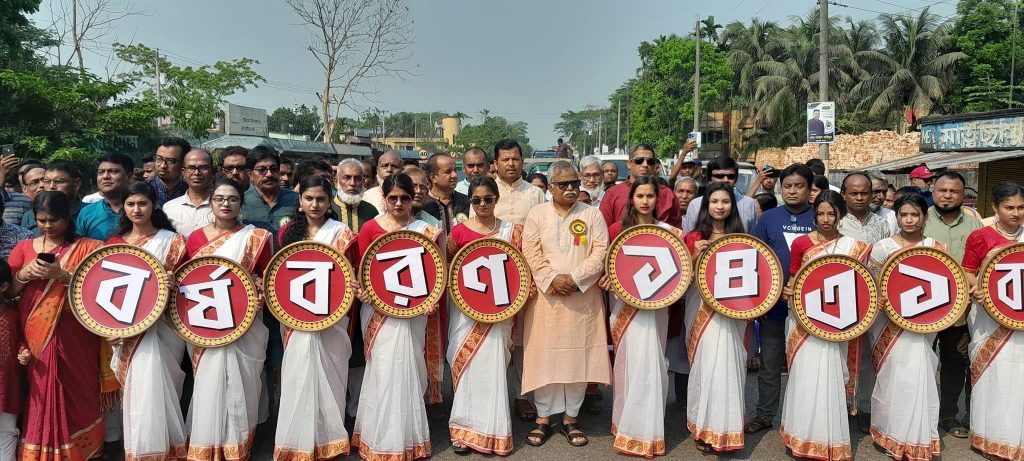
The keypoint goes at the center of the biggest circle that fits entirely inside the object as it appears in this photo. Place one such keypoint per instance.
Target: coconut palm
(709, 29)
(911, 71)
(747, 46)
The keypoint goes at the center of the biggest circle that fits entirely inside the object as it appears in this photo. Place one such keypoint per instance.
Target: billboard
(246, 121)
(821, 122)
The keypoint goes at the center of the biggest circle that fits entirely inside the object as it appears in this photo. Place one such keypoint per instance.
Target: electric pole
(823, 68)
(618, 125)
(1013, 52)
(696, 79)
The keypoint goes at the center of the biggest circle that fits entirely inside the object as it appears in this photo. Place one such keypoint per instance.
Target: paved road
(763, 446)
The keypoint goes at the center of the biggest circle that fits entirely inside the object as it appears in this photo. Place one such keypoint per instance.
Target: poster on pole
(821, 122)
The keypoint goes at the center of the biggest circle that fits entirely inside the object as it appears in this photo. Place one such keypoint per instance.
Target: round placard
(649, 267)
(925, 289)
(306, 286)
(490, 280)
(118, 291)
(215, 301)
(404, 273)
(739, 276)
(1002, 276)
(834, 298)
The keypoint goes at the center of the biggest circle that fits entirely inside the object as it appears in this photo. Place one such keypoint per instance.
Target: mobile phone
(47, 257)
(694, 135)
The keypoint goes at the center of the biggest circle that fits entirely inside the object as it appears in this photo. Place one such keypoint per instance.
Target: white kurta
(152, 382)
(391, 422)
(480, 412)
(314, 379)
(226, 398)
(905, 398)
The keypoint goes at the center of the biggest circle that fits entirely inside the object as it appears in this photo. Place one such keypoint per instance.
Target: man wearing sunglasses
(725, 170)
(642, 162)
(267, 205)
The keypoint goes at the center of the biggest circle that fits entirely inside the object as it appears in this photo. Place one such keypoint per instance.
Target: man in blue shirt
(59, 176)
(170, 155)
(267, 205)
(98, 220)
(778, 228)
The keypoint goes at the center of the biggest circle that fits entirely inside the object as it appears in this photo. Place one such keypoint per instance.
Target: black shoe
(757, 424)
(864, 422)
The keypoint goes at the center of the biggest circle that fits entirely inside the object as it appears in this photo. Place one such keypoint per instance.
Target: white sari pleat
(641, 382)
(714, 403)
(314, 382)
(997, 404)
(150, 407)
(226, 400)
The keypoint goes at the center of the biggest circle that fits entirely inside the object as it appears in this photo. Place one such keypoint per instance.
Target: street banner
(834, 298)
(649, 267)
(490, 280)
(307, 286)
(924, 290)
(739, 276)
(1002, 278)
(118, 291)
(215, 301)
(405, 274)
(821, 122)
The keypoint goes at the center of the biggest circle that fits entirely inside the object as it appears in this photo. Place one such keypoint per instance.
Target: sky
(525, 60)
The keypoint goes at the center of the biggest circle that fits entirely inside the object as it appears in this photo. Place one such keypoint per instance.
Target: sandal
(525, 410)
(702, 446)
(757, 424)
(954, 428)
(460, 449)
(572, 431)
(539, 435)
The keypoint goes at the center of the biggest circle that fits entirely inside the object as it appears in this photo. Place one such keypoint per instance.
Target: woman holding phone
(63, 412)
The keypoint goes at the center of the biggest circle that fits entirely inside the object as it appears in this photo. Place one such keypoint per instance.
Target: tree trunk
(325, 108)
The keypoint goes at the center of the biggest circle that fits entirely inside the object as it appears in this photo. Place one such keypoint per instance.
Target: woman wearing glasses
(639, 336)
(392, 418)
(149, 365)
(821, 382)
(314, 373)
(226, 399)
(997, 353)
(714, 343)
(479, 353)
(61, 358)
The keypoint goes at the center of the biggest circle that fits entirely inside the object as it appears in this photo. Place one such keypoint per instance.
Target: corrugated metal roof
(937, 160)
(353, 150)
(281, 145)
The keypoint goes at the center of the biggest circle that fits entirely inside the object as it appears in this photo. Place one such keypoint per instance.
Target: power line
(857, 8)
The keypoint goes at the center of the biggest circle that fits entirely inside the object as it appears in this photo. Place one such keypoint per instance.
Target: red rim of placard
(78, 301)
(434, 293)
(252, 306)
(523, 287)
(960, 301)
(681, 257)
(274, 303)
(797, 307)
(764, 251)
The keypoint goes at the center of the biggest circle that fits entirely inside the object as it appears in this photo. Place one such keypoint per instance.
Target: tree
(489, 131)
(912, 72)
(353, 41)
(302, 120)
(709, 29)
(19, 38)
(586, 128)
(79, 24)
(985, 32)
(662, 95)
(747, 46)
(193, 96)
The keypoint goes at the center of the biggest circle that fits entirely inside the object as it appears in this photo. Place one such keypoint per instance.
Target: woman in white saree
(148, 366)
(639, 336)
(997, 352)
(821, 379)
(391, 422)
(226, 398)
(314, 372)
(905, 399)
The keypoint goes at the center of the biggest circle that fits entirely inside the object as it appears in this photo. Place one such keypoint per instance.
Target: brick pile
(848, 152)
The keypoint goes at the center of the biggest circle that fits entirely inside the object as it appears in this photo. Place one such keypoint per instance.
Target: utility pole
(618, 125)
(600, 134)
(1013, 52)
(823, 67)
(696, 77)
(159, 99)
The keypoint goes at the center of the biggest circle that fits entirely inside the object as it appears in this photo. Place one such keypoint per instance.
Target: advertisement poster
(821, 122)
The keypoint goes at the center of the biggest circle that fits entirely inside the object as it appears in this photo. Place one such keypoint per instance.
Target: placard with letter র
(1002, 279)
(404, 273)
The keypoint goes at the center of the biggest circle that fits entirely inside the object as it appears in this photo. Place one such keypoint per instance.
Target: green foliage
(662, 96)
(586, 128)
(489, 131)
(302, 120)
(193, 96)
(984, 32)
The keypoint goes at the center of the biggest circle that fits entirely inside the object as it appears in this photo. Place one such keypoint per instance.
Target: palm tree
(747, 46)
(709, 29)
(911, 71)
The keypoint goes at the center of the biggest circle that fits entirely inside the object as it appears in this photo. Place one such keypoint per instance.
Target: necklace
(481, 224)
(395, 222)
(1008, 235)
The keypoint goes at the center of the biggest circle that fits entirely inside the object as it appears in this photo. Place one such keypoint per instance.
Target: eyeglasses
(263, 171)
(486, 200)
(730, 176)
(352, 178)
(651, 161)
(170, 161)
(192, 169)
(233, 169)
(54, 182)
(233, 200)
(565, 185)
(397, 199)
(592, 176)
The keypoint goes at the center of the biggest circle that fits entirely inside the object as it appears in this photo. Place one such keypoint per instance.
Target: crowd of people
(372, 383)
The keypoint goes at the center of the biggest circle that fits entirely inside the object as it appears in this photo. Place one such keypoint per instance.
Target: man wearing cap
(765, 183)
(921, 178)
